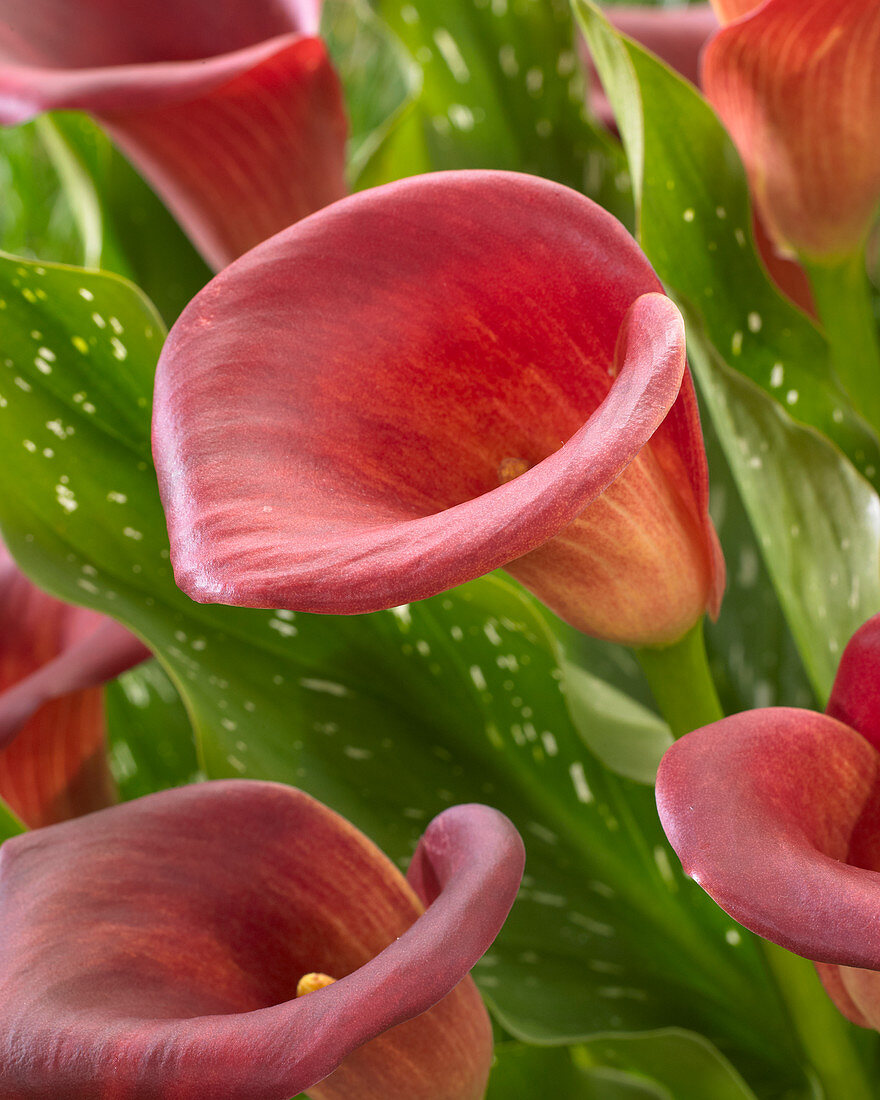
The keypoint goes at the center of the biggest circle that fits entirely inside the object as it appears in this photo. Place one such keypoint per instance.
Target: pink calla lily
(155, 949)
(776, 814)
(797, 85)
(430, 380)
(232, 111)
(53, 659)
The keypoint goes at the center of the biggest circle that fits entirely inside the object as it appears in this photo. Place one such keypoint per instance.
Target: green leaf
(36, 218)
(136, 235)
(501, 87)
(684, 1063)
(150, 734)
(626, 736)
(817, 521)
(10, 825)
(388, 717)
(379, 77)
(522, 1070)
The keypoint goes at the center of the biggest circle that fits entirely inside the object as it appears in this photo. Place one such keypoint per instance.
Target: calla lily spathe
(53, 659)
(776, 814)
(429, 380)
(231, 110)
(155, 949)
(797, 84)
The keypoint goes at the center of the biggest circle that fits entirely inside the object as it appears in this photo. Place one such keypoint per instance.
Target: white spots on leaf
(409, 14)
(661, 858)
(689, 214)
(65, 497)
(478, 678)
(58, 429)
(132, 533)
(507, 60)
(99, 320)
(286, 630)
(451, 54)
(733, 937)
(549, 743)
(543, 833)
(736, 343)
(326, 687)
(120, 351)
(579, 782)
(534, 81)
(29, 445)
(740, 237)
(566, 63)
(87, 294)
(792, 397)
(777, 375)
(23, 385)
(117, 326)
(403, 615)
(117, 498)
(754, 321)
(589, 924)
(354, 753)
(720, 213)
(461, 117)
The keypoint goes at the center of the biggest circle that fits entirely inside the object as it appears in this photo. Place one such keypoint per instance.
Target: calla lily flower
(156, 949)
(232, 111)
(796, 82)
(53, 659)
(776, 814)
(429, 380)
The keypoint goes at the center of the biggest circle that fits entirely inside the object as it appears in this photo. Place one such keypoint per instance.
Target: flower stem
(825, 1035)
(681, 682)
(844, 301)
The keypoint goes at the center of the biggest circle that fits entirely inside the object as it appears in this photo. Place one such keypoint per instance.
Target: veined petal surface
(233, 113)
(427, 381)
(797, 85)
(154, 949)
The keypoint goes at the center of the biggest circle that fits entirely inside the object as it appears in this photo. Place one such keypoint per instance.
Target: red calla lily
(796, 82)
(155, 949)
(430, 380)
(776, 814)
(53, 659)
(232, 111)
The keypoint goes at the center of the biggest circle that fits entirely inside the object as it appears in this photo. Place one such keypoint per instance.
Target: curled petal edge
(468, 865)
(764, 809)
